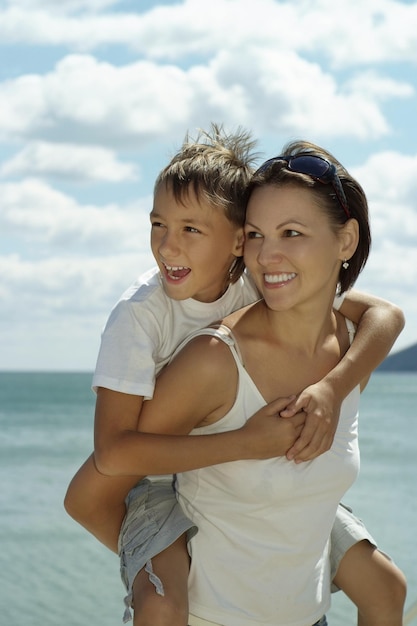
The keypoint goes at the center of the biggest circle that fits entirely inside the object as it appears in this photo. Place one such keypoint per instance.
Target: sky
(97, 95)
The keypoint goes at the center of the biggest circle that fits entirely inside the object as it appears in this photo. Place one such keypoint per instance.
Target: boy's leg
(171, 609)
(367, 576)
(154, 560)
(374, 583)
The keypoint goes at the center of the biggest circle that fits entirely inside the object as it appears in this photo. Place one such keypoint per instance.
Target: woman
(262, 546)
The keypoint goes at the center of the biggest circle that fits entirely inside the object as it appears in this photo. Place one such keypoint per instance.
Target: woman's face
(290, 249)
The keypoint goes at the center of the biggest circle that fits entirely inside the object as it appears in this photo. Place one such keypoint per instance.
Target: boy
(197, 241)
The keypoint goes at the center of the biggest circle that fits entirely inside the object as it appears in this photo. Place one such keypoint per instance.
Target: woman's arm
(379, 323)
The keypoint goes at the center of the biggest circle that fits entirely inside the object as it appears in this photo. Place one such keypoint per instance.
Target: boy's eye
(191, 229)
(156, 224)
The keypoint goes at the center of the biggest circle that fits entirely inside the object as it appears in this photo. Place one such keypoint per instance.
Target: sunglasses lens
(312, 166)
(304, 164)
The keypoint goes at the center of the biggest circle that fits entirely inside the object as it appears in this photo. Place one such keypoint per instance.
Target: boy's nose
(169, 245)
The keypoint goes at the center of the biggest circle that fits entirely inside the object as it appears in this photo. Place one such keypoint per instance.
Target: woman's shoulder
(239, 317)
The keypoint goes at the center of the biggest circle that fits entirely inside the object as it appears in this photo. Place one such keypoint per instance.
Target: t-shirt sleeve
(129, 345)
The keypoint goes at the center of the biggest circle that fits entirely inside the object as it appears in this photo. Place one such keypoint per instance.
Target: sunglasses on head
(316, 167)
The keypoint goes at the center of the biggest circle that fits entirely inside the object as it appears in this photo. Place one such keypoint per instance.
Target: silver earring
(345, 264)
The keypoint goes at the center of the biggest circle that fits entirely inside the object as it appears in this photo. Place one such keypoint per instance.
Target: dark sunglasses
(317, 168)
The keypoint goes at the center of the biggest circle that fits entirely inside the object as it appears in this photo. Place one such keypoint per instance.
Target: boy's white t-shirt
(146, 326)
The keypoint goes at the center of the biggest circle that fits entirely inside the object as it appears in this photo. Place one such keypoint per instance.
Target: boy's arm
(379, 323)
(189, 392)
(96, 500)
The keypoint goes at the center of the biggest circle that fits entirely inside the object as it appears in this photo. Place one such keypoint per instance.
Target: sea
(52, 572)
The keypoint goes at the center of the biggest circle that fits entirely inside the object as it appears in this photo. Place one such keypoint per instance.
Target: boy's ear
(239, 243)
(349, 239)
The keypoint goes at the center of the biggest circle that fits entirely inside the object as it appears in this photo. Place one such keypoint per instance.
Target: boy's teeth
(279, 278)
(175, 272)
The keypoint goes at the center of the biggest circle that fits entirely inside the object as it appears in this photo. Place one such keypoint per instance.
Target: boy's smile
(175, 273)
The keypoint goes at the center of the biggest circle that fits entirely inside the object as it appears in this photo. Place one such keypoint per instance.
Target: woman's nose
(269, 252)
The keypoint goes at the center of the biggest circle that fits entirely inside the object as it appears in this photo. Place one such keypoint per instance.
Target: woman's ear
(349, 239)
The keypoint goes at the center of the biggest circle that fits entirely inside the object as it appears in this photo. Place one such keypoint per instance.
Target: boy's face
(194, 246)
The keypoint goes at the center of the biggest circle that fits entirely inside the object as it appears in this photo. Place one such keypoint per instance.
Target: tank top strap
(351, 328)
(221, 332)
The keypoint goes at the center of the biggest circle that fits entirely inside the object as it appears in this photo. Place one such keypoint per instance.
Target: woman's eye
(291, 233)
(191, 229)
(252, 234)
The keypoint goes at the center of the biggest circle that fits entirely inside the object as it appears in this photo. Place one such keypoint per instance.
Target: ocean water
(52, 572)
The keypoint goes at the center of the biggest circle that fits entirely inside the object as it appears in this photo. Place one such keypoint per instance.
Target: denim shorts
(346, 532)
(154, 520)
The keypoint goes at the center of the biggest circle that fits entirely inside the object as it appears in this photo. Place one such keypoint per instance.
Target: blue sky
(96, 96)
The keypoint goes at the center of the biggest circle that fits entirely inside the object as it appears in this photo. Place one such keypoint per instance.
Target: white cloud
(73, 287)
(58, 307)
(330, 71)
(390, 182)
(358, 32)
(69, 162)
(282, 92)
(375, 85)
(36, 212)
(63, 6)
(84, 31)
(391, 273)
(87, 101)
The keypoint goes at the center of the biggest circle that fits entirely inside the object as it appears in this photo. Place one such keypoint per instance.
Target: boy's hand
(322, 409)
(268, 434)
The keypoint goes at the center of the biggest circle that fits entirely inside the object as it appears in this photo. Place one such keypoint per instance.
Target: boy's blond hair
(218, 167)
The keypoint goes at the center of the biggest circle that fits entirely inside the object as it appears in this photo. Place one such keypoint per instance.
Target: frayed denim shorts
(154, 520)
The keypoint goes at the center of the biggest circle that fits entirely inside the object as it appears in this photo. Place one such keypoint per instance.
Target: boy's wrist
(243, 444)
(342, 379)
